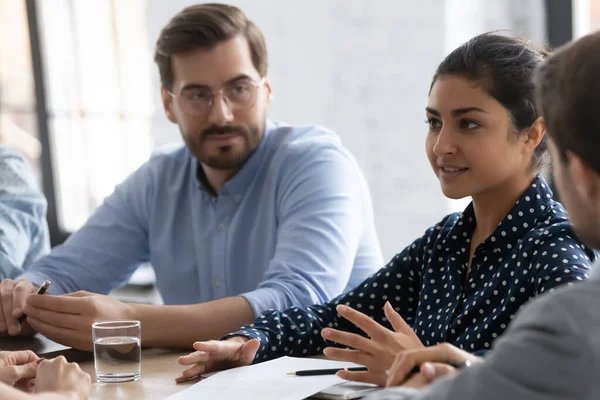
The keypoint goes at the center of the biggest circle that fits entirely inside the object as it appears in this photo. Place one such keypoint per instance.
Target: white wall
(361, 68)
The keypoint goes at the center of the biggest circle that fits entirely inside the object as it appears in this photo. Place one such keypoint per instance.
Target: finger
(406, 360)
(79, 294)
(70, 337)
(22, 357)
(362, 321)
(349, 355)
(401, 370)
(396, 320)
(22, 289)
(24, 371)
(3, 326)
(15, 373)
(58, 319)
(190, 373)
(248, 351)
(50, 363)
(433, 371)
(211, 346)
(416, 381)
(349, 339)
(375, 378)
(194, 358)
(64, 304)
(6, 297)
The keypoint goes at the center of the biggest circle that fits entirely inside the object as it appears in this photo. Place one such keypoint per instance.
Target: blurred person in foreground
(24, 376)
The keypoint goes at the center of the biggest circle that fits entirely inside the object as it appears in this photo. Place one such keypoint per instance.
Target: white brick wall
(363, 68)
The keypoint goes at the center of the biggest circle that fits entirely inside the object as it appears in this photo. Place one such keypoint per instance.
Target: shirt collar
(240, 182)
(519, 221)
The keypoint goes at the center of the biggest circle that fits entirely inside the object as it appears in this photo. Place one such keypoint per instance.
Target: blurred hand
(18, 369)
(216, 355)
(12, 299)
(59, 376)
(68, 319)
(429, 373)
(377, 351)
(441, 355)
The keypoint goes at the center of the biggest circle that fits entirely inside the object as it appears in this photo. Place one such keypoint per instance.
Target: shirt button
(237, 198)
(217, 284)
(221, 226)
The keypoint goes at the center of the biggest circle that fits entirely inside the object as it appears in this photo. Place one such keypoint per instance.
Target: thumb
(18, 372)
(433, 371)
(248, 351)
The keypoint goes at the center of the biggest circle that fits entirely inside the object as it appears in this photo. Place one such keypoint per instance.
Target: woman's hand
(18, 369)
(59, 376)
(216, 355)
(378, 351)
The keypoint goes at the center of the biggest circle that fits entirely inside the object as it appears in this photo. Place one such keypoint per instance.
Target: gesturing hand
(216, 355)
(378, 351)
(438, 358)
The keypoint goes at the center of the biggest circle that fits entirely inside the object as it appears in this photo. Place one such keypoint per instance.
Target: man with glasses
(249, 215)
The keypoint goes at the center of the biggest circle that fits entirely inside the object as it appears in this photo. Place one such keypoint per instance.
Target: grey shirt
(550, 351)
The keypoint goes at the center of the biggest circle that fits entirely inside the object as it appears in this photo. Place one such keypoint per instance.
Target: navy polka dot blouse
(532, 251)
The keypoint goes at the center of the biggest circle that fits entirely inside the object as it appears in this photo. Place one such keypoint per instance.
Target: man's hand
(12, 300)
(429, 373)
(18, 369)
(216, 355)
(378, 351)
(438, 357)
(68, 319)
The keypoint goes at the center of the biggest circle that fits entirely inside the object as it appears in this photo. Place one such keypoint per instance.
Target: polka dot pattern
(532, 251)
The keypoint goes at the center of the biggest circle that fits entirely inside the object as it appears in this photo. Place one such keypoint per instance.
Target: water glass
(117, 350)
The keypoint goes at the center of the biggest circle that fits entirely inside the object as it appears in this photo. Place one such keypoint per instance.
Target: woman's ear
(535, 133)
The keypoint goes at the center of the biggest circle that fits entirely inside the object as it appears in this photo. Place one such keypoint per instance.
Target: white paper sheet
(265, 381)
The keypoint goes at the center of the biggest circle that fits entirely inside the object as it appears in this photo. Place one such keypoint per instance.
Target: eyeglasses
(239, 95)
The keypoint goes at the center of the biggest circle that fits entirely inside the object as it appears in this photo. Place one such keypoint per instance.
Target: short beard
(227, 160)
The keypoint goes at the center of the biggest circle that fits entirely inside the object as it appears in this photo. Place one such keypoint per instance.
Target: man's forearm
(180, 326)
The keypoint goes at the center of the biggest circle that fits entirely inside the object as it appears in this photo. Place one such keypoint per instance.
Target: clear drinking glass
(117, 350)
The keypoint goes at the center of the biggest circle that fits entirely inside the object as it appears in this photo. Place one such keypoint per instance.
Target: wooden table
(159, 369)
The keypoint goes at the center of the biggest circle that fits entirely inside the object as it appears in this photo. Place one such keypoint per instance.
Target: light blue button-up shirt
(23, 228)
(293, 227)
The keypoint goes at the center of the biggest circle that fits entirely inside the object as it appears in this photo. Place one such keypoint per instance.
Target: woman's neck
(492, 206)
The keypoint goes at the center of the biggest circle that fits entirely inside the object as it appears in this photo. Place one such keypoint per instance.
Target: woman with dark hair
(463, 281)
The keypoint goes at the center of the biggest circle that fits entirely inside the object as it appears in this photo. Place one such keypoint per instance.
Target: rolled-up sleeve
(108, 248)
(23, 227)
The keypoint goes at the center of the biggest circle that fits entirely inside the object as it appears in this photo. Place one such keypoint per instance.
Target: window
(98, 98)
(17, 105)
(595, 15)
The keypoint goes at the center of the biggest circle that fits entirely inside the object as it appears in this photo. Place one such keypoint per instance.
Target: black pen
(41, 290)
(333, 371)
